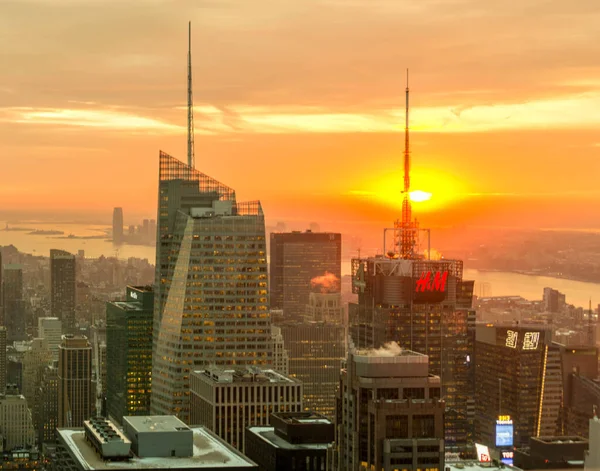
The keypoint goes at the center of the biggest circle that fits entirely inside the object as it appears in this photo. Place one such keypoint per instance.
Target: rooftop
(249, 375)
(268, 435)
(155, 423)
(476, 466)
(209, 452)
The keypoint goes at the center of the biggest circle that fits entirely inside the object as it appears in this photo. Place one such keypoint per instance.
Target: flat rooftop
(476, 466)
(209, 452)
(268, 435)
(155, 423)
(241, 375)
(389, 355)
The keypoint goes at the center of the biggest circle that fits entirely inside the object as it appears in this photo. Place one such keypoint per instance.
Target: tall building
(45, 415)
(211, 293)
(15, 421)
(228, 401)
(13, 310)
(390, 415)
(129, 353)
(281, 359)
(295, 441)
(76, 394)
(145, 442)
(296, 259)
(325, 307)
(316, 351)
(519, 384)
(50, 329)
(554, 301)
(592, 457)
(34, 361)
(63, 288)
(424, 306)
(117, 229)
(3, 364)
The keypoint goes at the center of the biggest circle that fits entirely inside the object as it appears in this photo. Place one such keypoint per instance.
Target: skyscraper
(517, 375)
(129, 353)
(211, 298)
(50, 329)
(3, 365)
(316, 351)
(297, 258)
(118, 225)
(424, 306)
(75, 391)
(390, 415)
(62, 288)
(14, 315)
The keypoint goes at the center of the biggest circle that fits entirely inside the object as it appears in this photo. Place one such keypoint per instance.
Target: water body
(487, 283)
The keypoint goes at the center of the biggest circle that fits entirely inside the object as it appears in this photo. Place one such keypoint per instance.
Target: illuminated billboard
(521, 339)
(504, 431)
(483, 453)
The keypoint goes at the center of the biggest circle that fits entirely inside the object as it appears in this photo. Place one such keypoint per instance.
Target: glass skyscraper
(211, 293)
(129, 353)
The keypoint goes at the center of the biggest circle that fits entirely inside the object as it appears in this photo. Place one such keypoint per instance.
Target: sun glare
(419, 196)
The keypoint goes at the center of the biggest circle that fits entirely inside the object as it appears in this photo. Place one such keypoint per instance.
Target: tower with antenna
(406, 230)
(190, 103)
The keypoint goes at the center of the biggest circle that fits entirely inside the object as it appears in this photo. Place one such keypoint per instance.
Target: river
(487, 283)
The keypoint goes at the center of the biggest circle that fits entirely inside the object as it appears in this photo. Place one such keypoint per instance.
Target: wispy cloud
(89, 118)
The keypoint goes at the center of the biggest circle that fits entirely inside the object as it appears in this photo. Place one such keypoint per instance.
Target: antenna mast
(190, 104)
(406, 230)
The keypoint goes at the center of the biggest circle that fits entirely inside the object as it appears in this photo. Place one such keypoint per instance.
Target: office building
(592, 457)
(211, 298)
(15, 420)
(63, 288)
(117, 229)
(553, 300)
(129, 353)
(390, 415)
(13, 309)
(145, 442)
(294, 441)
(519, 384)
(76, 395)
(3, 362)
(228, 401)
(50, 329)
(551, 453)
(425, 306)
(324, 307)
(281, 360)
(316, 351)
(296, 260)
(34, 361)
(45, 414)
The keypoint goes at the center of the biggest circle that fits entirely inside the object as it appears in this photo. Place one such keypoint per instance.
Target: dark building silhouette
(129, 353)
(76, 396)
(296, 259)
(14, 313)
(118, 225)
(294, 441)
(63, 288)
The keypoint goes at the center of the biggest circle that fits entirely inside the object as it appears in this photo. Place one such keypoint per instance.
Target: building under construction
(425, 306)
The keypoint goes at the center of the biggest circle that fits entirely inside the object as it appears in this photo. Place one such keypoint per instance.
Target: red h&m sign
(429, 282)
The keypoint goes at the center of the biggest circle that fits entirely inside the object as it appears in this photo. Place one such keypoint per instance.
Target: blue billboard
(504, 434)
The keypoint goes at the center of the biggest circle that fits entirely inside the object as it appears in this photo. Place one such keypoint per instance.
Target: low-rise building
(145, 442)
(295, 441)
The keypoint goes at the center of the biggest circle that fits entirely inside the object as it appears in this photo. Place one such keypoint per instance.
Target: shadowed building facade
(62, 288)
(211, 293)
(296, 258)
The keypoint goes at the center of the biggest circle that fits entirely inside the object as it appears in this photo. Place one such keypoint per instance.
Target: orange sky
(300, 104)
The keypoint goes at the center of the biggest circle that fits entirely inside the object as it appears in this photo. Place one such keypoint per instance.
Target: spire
(190, 103)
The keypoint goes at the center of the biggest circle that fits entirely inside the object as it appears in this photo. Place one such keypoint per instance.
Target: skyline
(312, 91)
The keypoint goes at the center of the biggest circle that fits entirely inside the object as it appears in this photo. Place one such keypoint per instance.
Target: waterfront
(487, 283)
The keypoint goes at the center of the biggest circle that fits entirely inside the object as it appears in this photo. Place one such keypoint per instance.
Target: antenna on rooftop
(190, 104)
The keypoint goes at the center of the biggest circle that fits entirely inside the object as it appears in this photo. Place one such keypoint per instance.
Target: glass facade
(129, 354)
(212, 299)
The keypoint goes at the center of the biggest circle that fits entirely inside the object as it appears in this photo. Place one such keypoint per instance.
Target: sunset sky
(299, 103)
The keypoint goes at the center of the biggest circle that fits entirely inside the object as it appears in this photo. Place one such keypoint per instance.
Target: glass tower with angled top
(211, 298)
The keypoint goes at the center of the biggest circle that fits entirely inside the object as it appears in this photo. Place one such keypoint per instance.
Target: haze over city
(301, 104)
